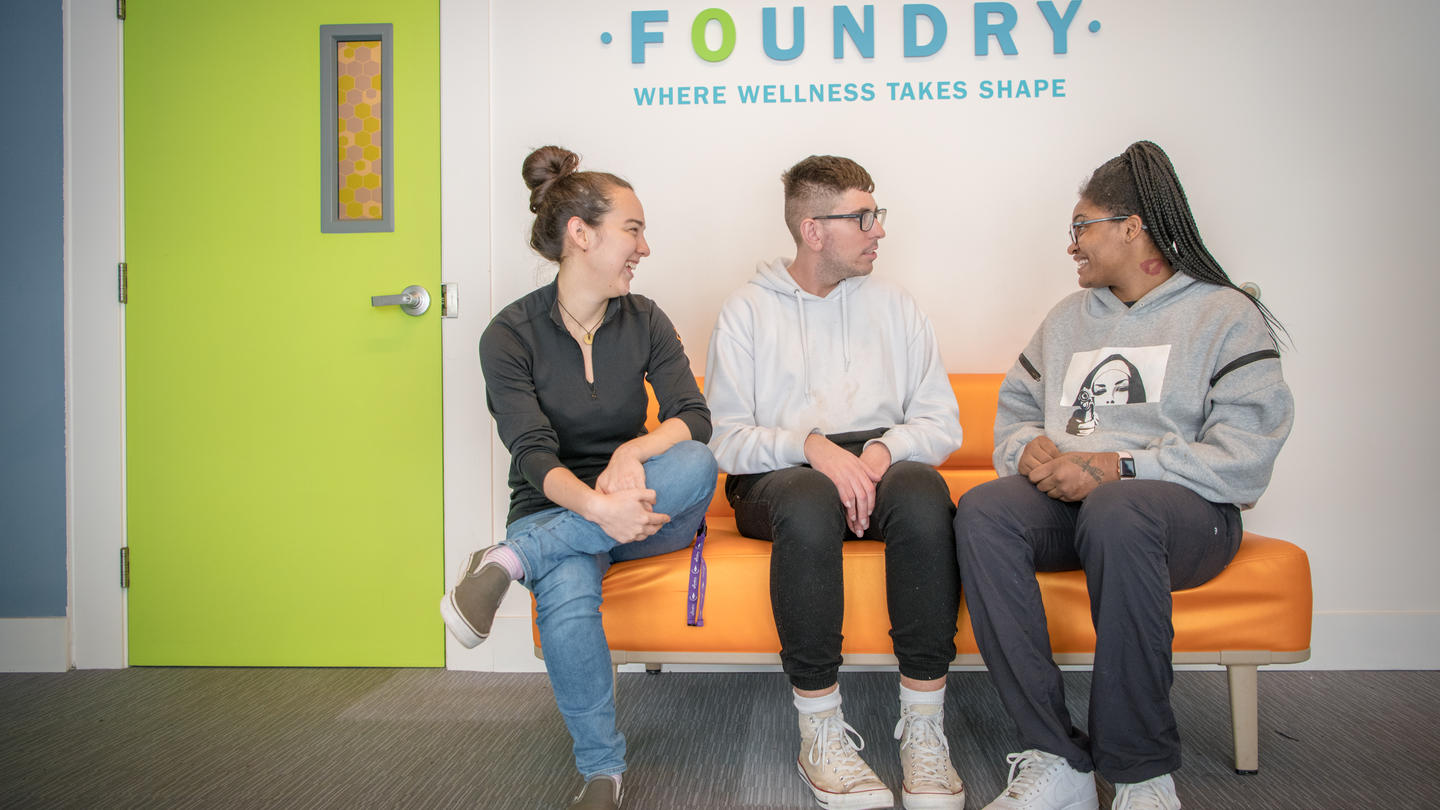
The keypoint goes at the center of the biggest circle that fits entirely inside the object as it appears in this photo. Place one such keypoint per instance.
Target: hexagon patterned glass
(359, 100)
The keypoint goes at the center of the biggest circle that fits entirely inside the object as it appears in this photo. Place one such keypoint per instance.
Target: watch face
(1127, 467)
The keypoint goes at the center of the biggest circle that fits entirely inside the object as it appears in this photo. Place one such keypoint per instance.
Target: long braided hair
(1141, 180)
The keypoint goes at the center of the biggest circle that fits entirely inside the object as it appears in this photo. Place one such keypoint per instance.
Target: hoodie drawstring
(804, 344)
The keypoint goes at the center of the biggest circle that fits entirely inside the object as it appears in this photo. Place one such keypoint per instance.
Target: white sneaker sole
(458, 627)
(1087, 803)
(933, 801)
(868, 800)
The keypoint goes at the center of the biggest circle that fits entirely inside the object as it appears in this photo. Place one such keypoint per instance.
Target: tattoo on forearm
(1091, 469)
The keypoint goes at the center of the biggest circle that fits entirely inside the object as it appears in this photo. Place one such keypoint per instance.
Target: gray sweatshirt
(1187, 379)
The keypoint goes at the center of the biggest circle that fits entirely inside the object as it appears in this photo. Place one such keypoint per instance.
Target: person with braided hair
(1143, 491)
(565, 371)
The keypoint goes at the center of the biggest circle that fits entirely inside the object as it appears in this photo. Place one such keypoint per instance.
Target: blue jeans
(564, 557)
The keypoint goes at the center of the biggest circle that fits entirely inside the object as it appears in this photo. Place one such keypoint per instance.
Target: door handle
(413, 300)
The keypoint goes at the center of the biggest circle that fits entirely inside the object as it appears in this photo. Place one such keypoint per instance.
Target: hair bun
(543, 167)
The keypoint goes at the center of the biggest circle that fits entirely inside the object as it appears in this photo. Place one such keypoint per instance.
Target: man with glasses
(830, 408)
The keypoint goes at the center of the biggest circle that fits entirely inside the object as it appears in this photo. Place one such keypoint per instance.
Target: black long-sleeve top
(548, 415)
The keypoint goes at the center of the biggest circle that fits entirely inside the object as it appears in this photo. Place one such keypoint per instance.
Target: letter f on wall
(639, 37)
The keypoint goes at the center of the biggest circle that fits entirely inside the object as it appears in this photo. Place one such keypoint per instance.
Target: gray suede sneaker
(600, 793)
(469, 608)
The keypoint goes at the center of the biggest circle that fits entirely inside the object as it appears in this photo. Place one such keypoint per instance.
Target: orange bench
(1256, 612)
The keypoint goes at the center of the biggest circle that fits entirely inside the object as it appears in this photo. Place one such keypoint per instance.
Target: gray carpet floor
(344, 738)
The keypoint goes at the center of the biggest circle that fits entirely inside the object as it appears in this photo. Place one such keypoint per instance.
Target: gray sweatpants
(1136, 541)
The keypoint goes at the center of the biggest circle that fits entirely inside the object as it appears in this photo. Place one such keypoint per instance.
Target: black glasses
(1077, 228)
(866, 218)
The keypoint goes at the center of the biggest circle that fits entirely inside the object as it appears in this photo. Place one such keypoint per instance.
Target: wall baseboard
(35, 645)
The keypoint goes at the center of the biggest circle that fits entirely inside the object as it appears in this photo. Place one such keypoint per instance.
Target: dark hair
(813, 184)
(559, 192)
(1142, 181)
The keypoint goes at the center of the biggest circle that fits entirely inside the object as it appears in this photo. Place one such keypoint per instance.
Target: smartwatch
(1127, 465)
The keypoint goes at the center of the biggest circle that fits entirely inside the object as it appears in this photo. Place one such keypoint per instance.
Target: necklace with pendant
(589, 333)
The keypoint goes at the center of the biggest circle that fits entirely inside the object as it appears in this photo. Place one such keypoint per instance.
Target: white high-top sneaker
(831, 766)
(931, 782)
(1041, 781)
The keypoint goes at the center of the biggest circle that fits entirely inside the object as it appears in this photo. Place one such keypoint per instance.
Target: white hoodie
(784, 363)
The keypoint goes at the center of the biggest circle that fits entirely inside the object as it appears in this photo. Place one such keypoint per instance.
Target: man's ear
(812, 234)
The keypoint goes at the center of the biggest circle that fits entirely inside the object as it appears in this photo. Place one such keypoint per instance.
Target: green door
(283, 436)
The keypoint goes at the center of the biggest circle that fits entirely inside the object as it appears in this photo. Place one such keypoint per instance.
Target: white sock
(814, 705)
(914, 697)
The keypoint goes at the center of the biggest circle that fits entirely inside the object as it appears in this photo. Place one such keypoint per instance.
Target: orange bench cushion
(1261, 601)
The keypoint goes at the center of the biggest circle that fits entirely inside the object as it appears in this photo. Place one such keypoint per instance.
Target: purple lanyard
(695, 601)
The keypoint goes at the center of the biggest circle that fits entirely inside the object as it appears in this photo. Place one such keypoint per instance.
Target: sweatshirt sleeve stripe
(1239, 362)
(1035, 374)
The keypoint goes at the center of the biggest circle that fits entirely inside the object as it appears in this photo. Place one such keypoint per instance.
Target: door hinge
(124, 567)
(124, 276)
(119, 9)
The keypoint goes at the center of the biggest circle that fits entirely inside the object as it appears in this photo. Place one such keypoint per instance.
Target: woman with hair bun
(565, 371)
(1142, 417)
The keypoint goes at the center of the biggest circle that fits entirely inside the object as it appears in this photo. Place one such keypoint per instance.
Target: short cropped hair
(812, 185)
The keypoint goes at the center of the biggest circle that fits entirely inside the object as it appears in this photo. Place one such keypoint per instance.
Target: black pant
(1137, 541)
(799, 510)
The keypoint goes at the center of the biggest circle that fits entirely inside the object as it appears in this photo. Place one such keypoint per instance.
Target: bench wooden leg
(1245, 716)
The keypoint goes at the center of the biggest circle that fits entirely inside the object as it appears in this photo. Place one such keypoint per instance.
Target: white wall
(1303, 131)
(465, 250)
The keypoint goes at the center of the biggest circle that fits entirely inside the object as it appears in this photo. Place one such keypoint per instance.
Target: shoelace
(834, 748)
(1029, 771)
(925, 739)
(1141, 796)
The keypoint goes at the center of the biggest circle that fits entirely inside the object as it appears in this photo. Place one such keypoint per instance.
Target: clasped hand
(624, 471)
(1065, 476)
(624, 507)
(628, 515)
(854, 476)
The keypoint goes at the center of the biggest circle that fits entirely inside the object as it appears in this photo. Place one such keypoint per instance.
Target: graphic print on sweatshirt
(1111, 375)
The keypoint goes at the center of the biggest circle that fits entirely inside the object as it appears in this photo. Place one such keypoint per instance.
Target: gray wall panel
(32, 320)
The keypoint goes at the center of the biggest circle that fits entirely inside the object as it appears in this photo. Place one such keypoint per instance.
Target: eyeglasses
(866, 218)
(1077, 228)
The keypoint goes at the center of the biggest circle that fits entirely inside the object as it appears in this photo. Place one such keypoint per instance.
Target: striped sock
(506, 558)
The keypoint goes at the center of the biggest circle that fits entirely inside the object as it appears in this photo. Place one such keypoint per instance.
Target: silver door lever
(413, 300)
